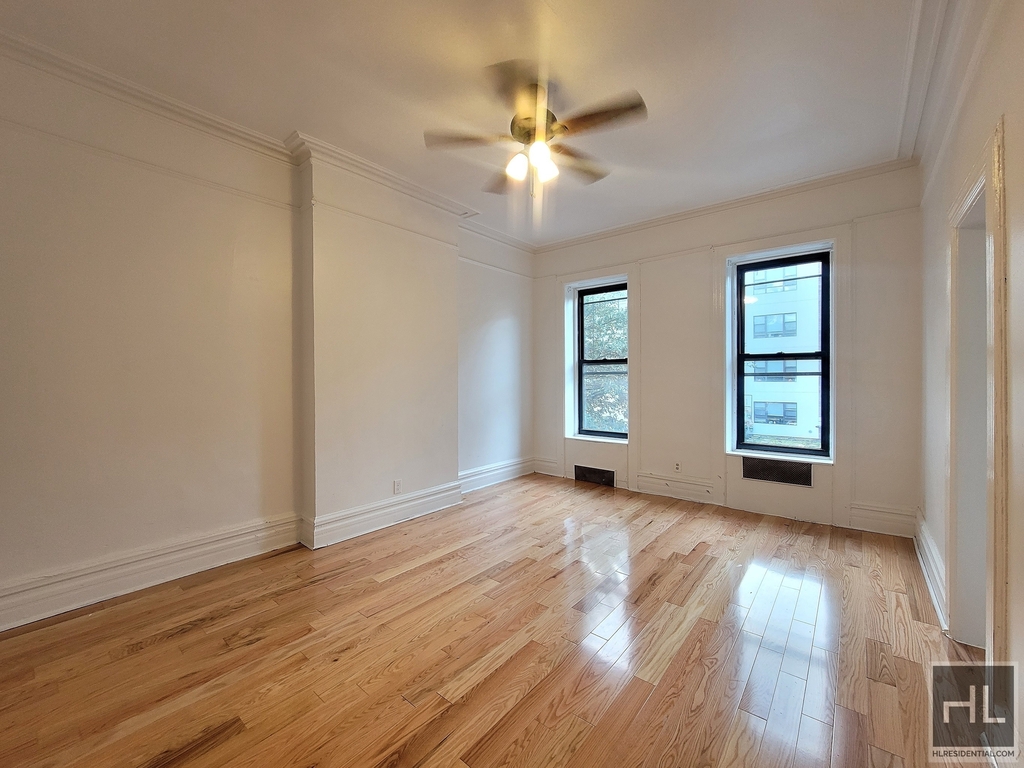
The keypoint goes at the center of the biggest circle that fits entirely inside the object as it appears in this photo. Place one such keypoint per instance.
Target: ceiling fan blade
(498, 185)
(628, 106)
(579, 163)
(442, 140)
(510, 78)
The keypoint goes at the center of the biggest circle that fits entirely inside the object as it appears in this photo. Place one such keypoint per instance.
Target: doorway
(970, 470)
(976, 520)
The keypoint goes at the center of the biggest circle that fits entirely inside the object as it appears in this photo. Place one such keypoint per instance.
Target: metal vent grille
(775, 471)
(594, 475)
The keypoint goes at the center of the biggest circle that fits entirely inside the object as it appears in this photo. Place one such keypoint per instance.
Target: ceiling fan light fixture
(518, 167)
(540, 154)
(547, 171)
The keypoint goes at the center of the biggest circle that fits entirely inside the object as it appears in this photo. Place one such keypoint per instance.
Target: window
(775, 413)
(774, 280)
(768, 326)
(763, 370)
(783, 347)
(602, 365)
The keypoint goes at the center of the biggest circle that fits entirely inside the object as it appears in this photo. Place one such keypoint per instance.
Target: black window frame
(582, 362)
(824, 356)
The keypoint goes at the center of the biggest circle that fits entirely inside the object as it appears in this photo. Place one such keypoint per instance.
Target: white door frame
(985, 178)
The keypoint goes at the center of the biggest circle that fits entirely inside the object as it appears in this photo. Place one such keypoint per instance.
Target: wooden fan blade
(510, 78)
(579, 163)
(442, 140)
(628, 106)
(498, 185)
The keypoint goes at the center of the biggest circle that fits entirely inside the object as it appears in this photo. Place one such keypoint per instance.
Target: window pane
(784, 414)
(782, 309)
(605, 398)
(605, 326)
(777, 371)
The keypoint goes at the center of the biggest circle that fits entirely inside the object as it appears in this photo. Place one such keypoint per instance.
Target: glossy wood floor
(537, 624)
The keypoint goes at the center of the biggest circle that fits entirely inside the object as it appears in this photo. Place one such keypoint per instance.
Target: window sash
(761, 271)
(582, 363)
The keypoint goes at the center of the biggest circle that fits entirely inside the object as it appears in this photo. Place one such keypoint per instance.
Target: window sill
(783, 457)
(597, 439)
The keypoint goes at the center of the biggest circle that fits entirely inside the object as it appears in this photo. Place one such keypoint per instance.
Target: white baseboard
(40, 597)
(349, 523)
(678, 487)
(548, 467)
(877, 518)
(934, 570)
(481, 477)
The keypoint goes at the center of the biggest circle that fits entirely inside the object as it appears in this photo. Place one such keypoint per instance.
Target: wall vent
(776, 471)
(594, 475)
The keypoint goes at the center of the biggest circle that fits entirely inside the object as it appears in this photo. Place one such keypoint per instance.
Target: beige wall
(145, 347)
(495, 360)
(385, 349)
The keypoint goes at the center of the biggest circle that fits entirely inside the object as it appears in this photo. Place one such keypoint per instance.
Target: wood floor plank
(813, 745)
(760, 688)
(884, 729)
(743, 741)
(778, 745)
(849, 739)
(822, 680)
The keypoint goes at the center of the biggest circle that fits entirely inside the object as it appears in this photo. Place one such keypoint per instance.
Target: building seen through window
(783, 346)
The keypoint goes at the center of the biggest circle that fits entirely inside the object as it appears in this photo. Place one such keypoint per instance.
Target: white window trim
(731, 351)
(572, 427)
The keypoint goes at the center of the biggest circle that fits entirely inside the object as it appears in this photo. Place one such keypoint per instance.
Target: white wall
(991, 91)
(384, 341)
(677, 273)
(145, 348)
(495, 303)
(967, 614)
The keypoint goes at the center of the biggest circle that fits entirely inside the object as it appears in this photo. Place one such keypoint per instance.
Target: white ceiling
(743, 95)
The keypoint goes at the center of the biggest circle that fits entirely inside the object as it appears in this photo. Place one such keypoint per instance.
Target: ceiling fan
(539, 131)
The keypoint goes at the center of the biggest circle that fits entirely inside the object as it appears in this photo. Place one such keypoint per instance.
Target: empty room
(555, 384)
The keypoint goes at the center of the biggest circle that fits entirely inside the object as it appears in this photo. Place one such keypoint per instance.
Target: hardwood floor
(540, 623)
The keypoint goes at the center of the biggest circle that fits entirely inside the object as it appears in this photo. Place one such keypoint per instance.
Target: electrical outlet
(398, 486)
(677, 466)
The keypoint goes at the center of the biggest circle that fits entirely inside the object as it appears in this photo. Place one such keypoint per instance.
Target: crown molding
(500, 237)
(44, 59)
(772, 194)
(922, 46)
(302, 148)
(952, 111)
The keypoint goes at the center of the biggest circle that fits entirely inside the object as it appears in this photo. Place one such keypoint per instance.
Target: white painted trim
(485, 265)
(349, 523)
(952, 113)
(165, 170)
(324, 206)
(551, 467)
(490, 474)
(697, 489)
(303, 147)
(881, 518)
(39, 597)
(809, 185)
(987, 175)
(918, 69)
(934, 571)
(73, 70)
(477, 228)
